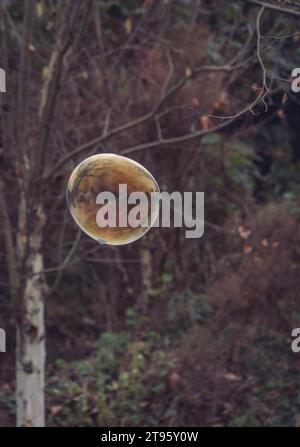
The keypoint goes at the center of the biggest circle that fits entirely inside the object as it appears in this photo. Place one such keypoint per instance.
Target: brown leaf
(255, 87)
(195, 103)
(248, 249)
(231, 377)
(31, 48)
(220, 104)
(243, 232)
(206, 122)
(174, 380)
(56, 409)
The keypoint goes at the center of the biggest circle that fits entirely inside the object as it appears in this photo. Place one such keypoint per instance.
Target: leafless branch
(171, 142)
(146, 118)
(70, 21)
(275, 8)
(24, 91)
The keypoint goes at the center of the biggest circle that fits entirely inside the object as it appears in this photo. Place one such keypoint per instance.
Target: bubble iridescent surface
(101, 173)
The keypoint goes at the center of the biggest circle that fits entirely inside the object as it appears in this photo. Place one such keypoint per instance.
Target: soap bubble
(109, 174)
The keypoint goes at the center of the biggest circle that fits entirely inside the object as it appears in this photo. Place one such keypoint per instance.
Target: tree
(27, 156)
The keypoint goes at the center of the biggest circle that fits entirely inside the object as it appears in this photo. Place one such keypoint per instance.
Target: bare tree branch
(24, 90)
(275, 8)
(72, 19)
(175, 140)
(145, 118)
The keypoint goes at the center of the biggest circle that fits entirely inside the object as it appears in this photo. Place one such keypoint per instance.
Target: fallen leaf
(248, 249)
(232, 377)
(243, 232)
(56, 409)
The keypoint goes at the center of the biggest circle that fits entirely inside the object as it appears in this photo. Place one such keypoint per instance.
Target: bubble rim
(91, 157)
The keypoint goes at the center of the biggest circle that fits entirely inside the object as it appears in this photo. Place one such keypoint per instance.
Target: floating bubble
(98, 196)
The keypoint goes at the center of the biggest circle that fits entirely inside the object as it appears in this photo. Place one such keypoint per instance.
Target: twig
(143, 119)
(274, 7)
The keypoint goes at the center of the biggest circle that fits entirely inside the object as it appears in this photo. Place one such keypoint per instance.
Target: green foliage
(186, 309)
(246, 420)
(124, 384)
(240, 167)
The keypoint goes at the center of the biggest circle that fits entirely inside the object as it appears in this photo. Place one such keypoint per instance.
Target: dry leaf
(255, 87)
(243, 232)
(248, 249)
(31, 48)
(206, 122)
(174, 380)
(45, 72)
(128, 26)
(56, 409)
(221, 103)
(280, 114)
(188, 72)
(231, 377)
(39, 10)
(195, 103)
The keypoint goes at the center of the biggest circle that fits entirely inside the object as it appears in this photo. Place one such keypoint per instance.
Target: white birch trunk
(30, 352)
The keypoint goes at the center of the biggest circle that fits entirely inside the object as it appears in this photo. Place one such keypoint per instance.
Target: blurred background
(167, 331)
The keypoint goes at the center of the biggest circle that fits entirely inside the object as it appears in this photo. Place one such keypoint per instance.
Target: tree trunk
(146, 276)
(31, 352)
